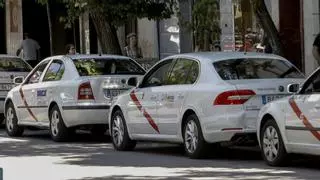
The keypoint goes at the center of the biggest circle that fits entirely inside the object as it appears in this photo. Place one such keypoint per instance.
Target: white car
(200, 98)
(12, 68)
(291, 124)
(63, 93)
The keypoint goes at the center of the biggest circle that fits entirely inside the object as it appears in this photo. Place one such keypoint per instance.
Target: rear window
(14, 65)
(258, 68)
(96, 67)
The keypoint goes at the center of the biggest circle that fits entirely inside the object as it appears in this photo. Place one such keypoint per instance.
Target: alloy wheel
(191, 136)
(270, 143)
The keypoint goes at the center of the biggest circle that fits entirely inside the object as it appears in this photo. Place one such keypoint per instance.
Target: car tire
(194, 144)
(98, 130)
(271, 142)
(12, 127)
(119, 133)
(58, 130)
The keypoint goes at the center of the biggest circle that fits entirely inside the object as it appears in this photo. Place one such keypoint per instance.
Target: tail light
(85, 91)
(235, 97)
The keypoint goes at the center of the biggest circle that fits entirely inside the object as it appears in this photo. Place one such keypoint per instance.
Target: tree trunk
(107, 34)
(50, 27)
(269, 28)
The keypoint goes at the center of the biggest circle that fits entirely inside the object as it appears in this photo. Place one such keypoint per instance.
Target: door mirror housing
(133, 81)
(18, 80)
(293, 88)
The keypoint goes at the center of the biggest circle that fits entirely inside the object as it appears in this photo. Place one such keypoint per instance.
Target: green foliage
(118, 12)
(205, 23)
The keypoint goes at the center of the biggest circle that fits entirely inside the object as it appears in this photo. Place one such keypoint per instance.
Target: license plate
(113, 92)
(6, 87)
(268, 98)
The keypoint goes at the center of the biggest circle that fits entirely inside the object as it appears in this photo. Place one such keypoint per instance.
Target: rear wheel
(119, 133)
(194, 143)
(58, 130)
(12, 127)
(272, 146)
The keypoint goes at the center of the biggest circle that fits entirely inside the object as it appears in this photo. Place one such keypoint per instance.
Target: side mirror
(133, 81)
(293, 88)
(18, 80)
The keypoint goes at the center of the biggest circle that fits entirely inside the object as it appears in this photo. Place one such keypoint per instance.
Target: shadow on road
(84, 151)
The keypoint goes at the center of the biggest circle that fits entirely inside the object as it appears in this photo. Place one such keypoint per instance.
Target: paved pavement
(36, 157)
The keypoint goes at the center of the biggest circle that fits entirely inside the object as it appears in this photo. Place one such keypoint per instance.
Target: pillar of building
(84, 33)
(148, 38)
(186, 37)
(226, 24)
(311, 22)
(14, 25)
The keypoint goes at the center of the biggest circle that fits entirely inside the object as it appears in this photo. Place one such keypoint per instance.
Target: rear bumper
(85, 114)
(224, 127)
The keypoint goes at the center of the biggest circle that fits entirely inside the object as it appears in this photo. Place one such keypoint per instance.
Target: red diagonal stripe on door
(26, 104)
(143, 111)
(304, 119)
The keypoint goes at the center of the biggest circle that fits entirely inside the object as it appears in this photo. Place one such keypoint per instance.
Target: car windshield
(111, 66)
(13, 65)
(256, 68)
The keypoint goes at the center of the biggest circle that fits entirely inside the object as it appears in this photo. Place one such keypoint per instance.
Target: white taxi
(12, 68)
(63, 93)
(200, 98)
(291, 124)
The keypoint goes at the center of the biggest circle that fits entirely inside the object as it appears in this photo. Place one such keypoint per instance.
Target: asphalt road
(36, 157)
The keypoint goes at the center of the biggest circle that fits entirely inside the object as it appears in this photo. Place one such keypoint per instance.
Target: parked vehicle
(291, 124)
(200, 98)
(63, 93)
(11, 67)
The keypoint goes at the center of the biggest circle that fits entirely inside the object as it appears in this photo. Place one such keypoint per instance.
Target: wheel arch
(185, 115)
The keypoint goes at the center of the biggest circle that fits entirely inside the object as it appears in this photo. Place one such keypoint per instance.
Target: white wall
(311, 28)
(148, 38)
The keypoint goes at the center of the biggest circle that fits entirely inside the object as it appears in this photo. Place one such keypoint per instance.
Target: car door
(49, 88)
(28, 108)
(303, 115)
(172, 97)
(142, 107)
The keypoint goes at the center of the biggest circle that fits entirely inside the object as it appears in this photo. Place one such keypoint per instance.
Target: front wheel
(272, 146)
(12, 127)
(119, 133)
(194, 143)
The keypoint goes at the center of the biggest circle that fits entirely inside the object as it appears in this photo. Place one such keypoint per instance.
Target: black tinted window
(158, 75)
(256, 69)
(95, 67)
(184, 72)
(312, 85)
(55, 71)
(14, 65)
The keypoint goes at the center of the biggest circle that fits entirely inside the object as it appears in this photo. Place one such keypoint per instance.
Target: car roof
(218, 56)
(96, 56)
(8, 56)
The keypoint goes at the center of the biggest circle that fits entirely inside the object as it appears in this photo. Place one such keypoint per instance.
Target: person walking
(31, 50)
(316, 48)
(70, 49)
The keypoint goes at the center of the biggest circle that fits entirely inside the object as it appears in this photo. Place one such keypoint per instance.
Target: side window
(185, 71)
(35, 76)
(193, 74)
(55, 71)
(158, 75)
(312, 85)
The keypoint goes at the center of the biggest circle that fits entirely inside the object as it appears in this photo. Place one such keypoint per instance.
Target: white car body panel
(64, 93)
(6, 79)
(297, 117)
(170, 102)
